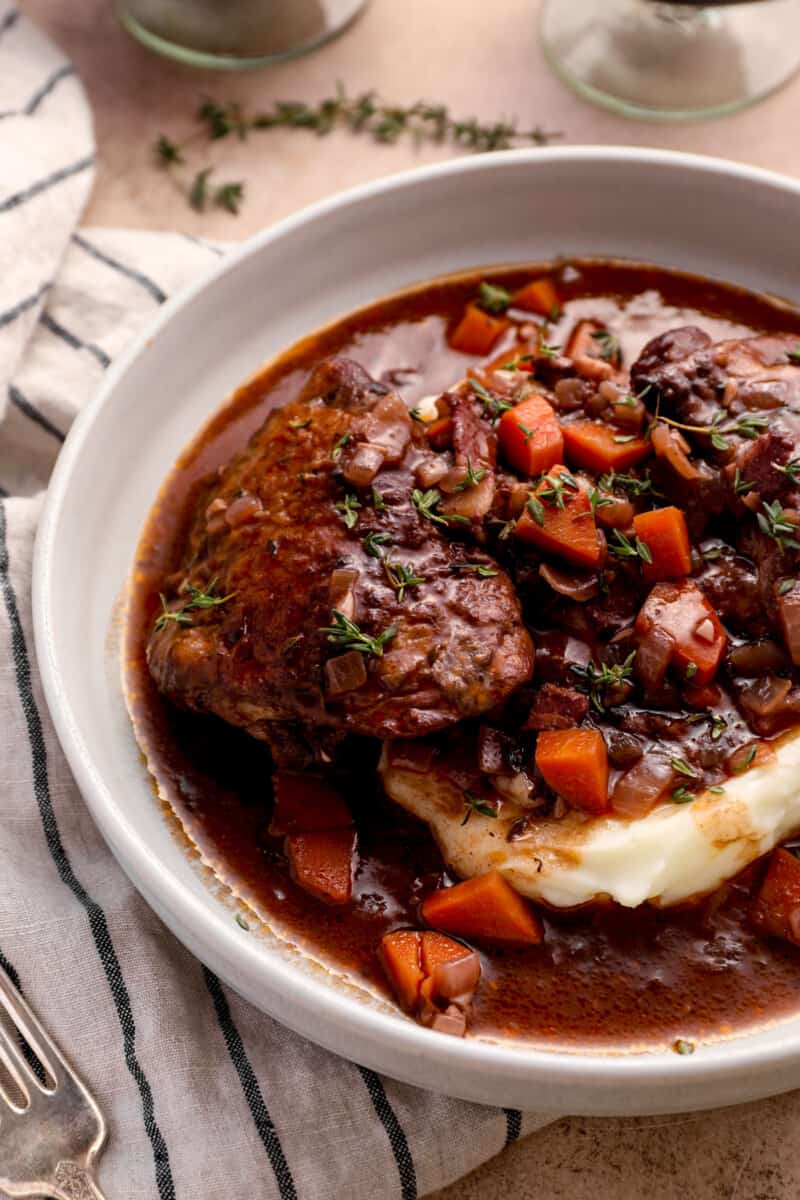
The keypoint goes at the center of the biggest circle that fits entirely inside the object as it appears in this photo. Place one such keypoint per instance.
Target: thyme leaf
(401, 577)
(349, 509)
(493, 299)
(477, 804)
(199, 599)
(346, 635)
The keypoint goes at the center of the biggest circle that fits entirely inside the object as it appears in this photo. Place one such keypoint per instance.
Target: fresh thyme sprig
(493, 299)
(373, 543)
(477, 804)
(401, 577)
(481, 569)
(199, 599)
(471, 478)
(791, 469)
(607, 344)
(748, 427)
(774, 523)
(493, 405)
(629, 484)
(624, 547)
(349, 509)
(426, 504)
(555, 487)
(366, 114)
(596, 681)
(345, 634)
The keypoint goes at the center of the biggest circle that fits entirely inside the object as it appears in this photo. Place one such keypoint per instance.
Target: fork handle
(76, 1183)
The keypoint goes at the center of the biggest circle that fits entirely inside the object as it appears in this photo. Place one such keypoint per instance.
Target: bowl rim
(592, 1072)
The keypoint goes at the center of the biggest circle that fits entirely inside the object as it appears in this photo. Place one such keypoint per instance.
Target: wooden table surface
(481, 59)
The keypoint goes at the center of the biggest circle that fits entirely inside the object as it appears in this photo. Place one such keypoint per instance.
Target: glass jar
(664, 61)
(231, 34)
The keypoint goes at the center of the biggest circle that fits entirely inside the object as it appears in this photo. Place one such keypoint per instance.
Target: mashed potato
(676, 852)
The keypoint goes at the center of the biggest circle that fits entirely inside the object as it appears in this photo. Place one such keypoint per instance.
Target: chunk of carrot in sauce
(530, 436)
(590, 339)
(569, 531)
(574, 762)
(306, 804)
(477, 331)
(484, 909)
(440, 433)
(776, 908)
(664, 533)
(322, 863)
(683, 613)
(400, 955)
(538, 296)
(596, 446)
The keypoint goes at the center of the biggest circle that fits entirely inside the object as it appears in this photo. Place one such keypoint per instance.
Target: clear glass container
(670, 62)
(232, 34)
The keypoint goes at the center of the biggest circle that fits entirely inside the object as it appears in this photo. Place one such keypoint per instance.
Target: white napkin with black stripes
(206, 1096)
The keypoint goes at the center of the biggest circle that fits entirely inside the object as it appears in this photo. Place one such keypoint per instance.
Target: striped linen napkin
(206, 1096)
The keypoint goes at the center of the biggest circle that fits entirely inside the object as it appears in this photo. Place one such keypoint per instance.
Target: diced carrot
(776, 908)
(452, 971)
(306, 804)
(598, 447)
(322, 863)
(530, 436)
(664, 533)
(539, 296)
(400, 955)
(569, 532)
(574, 762)
(440, 433)
(438, 948)
(477, 331)
(707, 696)
(682, 612)
(485, 908)
(587, 340)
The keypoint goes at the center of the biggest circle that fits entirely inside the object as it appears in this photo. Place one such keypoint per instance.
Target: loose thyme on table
(366, 114)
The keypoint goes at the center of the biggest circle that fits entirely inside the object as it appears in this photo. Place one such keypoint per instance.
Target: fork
(48, 1144)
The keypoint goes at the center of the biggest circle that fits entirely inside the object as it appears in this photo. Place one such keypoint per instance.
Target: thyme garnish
(555, 487)
(345, 634)
(682, 767)
(791, 469)
(597, 680)
(471, 478)
(199, 599)
(426, 503)
(629, 483)
(493, 299)
(607, 344)
(349, 509)
(477, 804)
(401, 577)
(773, 522)
(482, 569)
(494, 406)
(366, 114)
(339, 446)
(373, 542)
(623, 547)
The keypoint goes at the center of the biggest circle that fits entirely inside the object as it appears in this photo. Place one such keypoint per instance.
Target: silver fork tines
(48, 1144)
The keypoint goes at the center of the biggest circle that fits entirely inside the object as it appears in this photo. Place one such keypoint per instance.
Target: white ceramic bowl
(708, 216)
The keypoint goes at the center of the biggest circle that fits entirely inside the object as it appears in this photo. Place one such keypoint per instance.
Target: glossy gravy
(603, 976)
